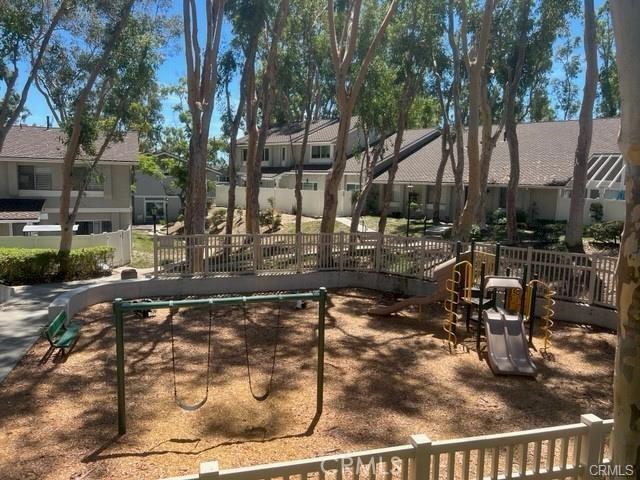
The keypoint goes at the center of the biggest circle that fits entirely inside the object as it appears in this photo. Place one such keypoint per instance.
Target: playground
(386, 377)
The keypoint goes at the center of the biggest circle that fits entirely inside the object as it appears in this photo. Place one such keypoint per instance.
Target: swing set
(120, 307)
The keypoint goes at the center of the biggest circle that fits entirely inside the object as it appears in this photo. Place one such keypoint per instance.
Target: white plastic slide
(507, 347)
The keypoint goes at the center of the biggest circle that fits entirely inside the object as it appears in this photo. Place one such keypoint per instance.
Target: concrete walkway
(361, 226)
(23, 316)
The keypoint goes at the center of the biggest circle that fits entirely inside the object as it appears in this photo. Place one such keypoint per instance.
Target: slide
(440, 275)
(507, 348)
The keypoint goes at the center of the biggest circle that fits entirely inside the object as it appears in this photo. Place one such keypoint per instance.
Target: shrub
(218, 216)
(20, 266)
(608, 232)
(499, 216)
(476, 233)
(596, 212)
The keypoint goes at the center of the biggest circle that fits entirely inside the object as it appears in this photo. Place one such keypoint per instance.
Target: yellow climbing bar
(547, 317)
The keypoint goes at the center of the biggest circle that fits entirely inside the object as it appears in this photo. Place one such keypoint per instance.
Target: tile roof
(20, 209)
(48, 143)
(546, 154)
(322, 131)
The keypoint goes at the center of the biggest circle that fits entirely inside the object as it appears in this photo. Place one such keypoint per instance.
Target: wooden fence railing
(575, 277)
(569, 451)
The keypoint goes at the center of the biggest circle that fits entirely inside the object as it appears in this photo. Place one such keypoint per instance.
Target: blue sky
(173, 68)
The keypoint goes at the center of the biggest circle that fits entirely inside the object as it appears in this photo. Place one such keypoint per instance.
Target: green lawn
(312, 226)
(142, 254)
(395, 226)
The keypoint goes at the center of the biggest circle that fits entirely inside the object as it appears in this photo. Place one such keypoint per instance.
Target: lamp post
(409, 189)
(166, 213)
(154, 214)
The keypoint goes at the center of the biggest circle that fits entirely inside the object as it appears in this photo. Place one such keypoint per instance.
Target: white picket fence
(120, 240)
(574, 451)
(577, 278)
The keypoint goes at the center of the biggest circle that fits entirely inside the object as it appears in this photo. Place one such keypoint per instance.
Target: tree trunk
(626, 431)
(233, 144)
(393, 169)
(300, 172)
(444, 160)
(334, 177)
(514, 172)
(371, 160)
(475, 68)
(575, 224)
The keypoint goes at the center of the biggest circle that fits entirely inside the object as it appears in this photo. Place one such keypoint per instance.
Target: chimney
(48, 122)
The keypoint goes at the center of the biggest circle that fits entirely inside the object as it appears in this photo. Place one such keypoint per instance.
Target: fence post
(155, 256)
(379, 249)
(423, 258)
(299, 252)
(422, 459)
(590, 452)
(256, 252)
(593, 275)
(209, 471)
(207, 253)
(341, 244)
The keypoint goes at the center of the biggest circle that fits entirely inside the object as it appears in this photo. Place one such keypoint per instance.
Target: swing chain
(264, 396)
(181, 404)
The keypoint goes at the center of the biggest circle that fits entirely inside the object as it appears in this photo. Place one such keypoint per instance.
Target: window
(265, 155)
(284, 156)
(565, 193)
(244, 155)
(156, 204)
(309, 186)
(396, 194)
(96, 179)
(320, 152)
(94, 226)
(353, 187)
(594, 194)
(34, 178)
(614, 194)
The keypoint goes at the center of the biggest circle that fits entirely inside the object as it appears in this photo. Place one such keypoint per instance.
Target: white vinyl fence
(576, 451)
(120, 240)
(579, 278)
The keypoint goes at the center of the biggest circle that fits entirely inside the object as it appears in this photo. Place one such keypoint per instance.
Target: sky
(173, 68)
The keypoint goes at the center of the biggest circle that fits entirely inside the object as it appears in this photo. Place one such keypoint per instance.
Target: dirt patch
(386, 378)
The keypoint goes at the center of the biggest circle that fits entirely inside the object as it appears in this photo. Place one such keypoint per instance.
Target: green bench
(61, 335)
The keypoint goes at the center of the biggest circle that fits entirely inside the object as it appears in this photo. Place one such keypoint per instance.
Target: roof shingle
(547, 152)
(48, 143)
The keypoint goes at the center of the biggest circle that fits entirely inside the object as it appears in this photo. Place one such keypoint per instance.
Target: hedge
(20, 266)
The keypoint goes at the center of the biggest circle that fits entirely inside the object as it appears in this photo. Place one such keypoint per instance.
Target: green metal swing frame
(120, 307)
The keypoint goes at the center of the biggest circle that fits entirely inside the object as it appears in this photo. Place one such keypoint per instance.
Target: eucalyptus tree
(575, 224)
(26, 29)
(202, 80)
(609, 98)
(302, 93)
(564, 87)
(626, 382)
(413, 40)
(343, 19)
(258, 26)
(231, 122)
(377, 112)
(522, 55)
(114, 53)
(478, 148)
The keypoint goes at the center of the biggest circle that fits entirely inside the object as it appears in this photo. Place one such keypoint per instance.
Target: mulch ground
(386, 378)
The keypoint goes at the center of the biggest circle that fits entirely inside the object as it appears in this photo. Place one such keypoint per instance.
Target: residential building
(31, 182)
(161, 194)
(547, 151)
(284, 146)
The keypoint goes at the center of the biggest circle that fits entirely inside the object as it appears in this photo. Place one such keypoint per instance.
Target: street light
(154, 214)
(409, 189)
